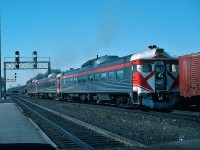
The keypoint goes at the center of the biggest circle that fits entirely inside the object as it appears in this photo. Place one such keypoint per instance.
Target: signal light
(35, 66)
(34, 53)
(34, 56)
(35, 59)
(16, 52)
(17, 66)
(17, 56)
(15, 75)
(17, 59)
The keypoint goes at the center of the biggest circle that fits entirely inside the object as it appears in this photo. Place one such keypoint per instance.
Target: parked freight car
(189, 67)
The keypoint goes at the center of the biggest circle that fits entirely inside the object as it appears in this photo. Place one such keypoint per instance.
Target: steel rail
(63, 131)
(94, 128)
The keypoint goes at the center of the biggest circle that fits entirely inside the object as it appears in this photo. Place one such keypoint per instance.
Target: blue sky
(73, 31)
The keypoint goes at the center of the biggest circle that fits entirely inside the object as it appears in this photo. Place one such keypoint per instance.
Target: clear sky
(73, 31)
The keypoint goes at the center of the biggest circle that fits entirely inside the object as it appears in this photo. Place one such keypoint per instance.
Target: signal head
(35, 66)
(34, 58)
(17, 59)
(17, 66)
(16, 52)
(34, 53)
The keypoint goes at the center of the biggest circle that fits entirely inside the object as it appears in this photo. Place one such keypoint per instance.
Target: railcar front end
(155, 78)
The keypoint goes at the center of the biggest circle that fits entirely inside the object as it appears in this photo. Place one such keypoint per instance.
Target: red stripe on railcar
(51, 80)
(110, 68)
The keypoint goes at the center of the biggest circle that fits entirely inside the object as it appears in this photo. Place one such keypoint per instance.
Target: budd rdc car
(149, 78)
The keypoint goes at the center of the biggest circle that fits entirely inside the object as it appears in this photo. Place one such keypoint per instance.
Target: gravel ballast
(140, 127)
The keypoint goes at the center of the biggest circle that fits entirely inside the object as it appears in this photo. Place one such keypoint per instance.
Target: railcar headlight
(160, 75)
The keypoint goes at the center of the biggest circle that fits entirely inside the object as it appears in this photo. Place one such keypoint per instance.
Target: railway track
(70, 133)
(176, 114)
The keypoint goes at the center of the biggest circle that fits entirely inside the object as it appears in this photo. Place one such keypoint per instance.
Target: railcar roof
(109, 62)
(153, 53)
(99, 60)
(51, 76)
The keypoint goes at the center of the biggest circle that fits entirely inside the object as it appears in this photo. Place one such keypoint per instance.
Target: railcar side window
(134, 68)
(75, 80)
(97, 77)
(111, 75)
(173, 68)
(147, 68)
(65, 81)
(91, 77)
(120, 74)
(79, 79)
(127, 73)
(70, 80)
(103, 76)
(62, 81)
(84, 79)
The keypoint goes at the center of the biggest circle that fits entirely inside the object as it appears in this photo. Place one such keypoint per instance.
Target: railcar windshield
(147, 68)
(159, 68)
(173, 68)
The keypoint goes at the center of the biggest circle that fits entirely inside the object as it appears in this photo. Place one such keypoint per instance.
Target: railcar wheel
(144, 108)
(99, 102)
(83, 98)
(122, 101)
(168, 110)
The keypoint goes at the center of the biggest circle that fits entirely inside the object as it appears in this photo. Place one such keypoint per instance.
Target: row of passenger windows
(47, 84)
(31, 88)
(148, 68)
(111, 75)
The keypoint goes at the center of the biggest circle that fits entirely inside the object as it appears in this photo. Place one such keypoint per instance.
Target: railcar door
(135, 82)
(160, 76)
(58, 86)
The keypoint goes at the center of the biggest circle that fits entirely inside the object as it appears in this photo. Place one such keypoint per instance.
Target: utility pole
(0, 61)
(49, 66)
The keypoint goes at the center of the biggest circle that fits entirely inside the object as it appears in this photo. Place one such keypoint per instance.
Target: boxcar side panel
(184, 72)
(190, 75)
(195, 75)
